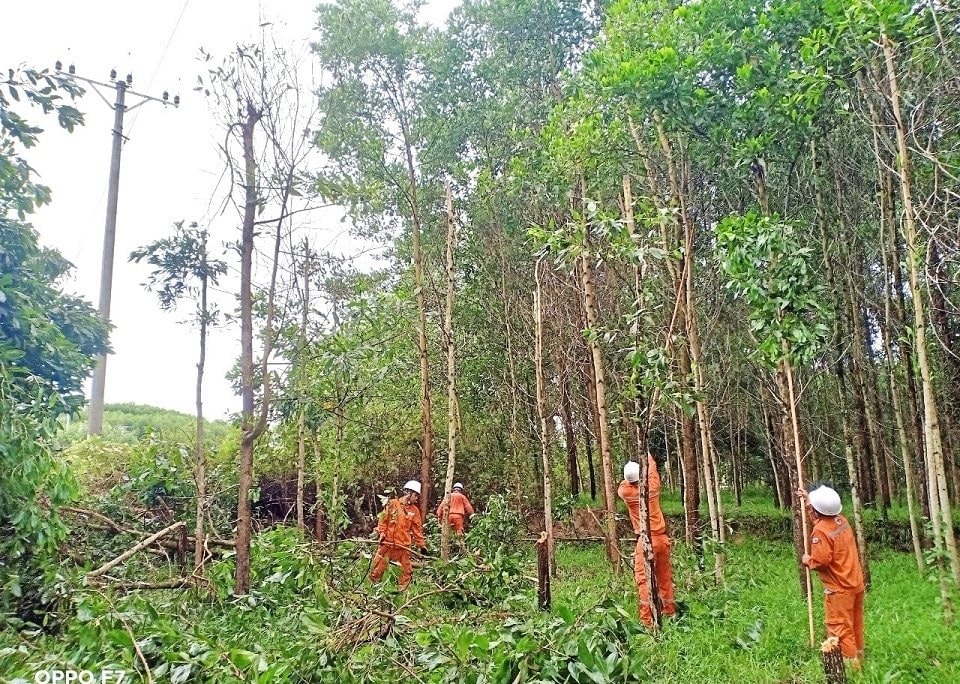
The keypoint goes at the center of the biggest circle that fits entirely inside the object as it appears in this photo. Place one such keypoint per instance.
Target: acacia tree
(182, 269)
(769, 267)
(452, 408)
(939, 497)
(375, 140)
(349, 382)
(257, 92)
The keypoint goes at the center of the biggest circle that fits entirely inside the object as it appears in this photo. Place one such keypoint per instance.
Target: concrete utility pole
(120, 107)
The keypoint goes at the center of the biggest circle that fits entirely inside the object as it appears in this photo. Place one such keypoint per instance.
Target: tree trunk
(913, 408)
(542, 415)
(321, 525)
(646, 542)
(593, 430)
(451, 383)
(589, 299)
(833, 666)
(543, 573)
(886, 223)
(790, 407)
(852, 475)
(703, 415)
(947, 337)
(734, 458)
(514, 384)
(862, 373)
(691, 481)
(569, 437)
(426, 461)
(941, 512)
(336, 512)
(242, 578)
(668, 473)
(773, 452)
(201, 468)
(250, 430)
(301, 419)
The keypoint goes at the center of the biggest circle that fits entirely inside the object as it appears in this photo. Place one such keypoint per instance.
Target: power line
(163, 55)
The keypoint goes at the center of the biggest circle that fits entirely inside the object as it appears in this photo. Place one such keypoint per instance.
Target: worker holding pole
(833, 555)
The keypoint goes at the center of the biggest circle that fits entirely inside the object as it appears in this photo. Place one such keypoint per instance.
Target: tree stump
(543, 573)
(833, 661)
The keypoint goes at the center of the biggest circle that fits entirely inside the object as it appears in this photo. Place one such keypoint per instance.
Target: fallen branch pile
(107, 523)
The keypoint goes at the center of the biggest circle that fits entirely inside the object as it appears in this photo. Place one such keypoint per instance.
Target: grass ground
(754, 629)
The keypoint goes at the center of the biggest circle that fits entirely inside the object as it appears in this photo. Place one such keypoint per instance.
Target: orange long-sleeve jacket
(630, 493)
(833, 554)
(400, 524)
(459, 505)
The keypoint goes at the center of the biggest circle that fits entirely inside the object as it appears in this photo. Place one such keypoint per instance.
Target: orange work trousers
(456, 523)
(389, 552)
(664, 573)
(844, 617)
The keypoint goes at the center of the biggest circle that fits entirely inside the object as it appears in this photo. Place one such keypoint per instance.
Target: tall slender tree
(183, 269)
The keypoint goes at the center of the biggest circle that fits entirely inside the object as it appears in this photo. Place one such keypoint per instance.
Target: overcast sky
(169, 168)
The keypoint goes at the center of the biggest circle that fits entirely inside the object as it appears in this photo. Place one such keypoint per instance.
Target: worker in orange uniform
(459, 509)
(833, 554)
(399, 530)
(629, 491)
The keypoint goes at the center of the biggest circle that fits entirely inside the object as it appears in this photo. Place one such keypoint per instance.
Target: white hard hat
(459, 485)
(825, 500)
(631, 471)
(413, 486)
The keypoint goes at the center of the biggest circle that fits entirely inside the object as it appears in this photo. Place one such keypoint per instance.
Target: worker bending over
(629, 491)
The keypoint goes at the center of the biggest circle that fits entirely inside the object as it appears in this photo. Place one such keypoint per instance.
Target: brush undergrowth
(314, 618)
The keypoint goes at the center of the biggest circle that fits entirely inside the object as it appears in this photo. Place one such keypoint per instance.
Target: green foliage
(182, 269)
(151, 480)
(772, 270)
(594, 647)
(491, 571)
(19, 193)
(97, 463)
(374, 49)
(49, 338)
(498, 527)
(48, 343)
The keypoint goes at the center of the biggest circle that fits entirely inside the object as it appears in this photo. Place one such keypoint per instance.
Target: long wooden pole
(803, 511)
